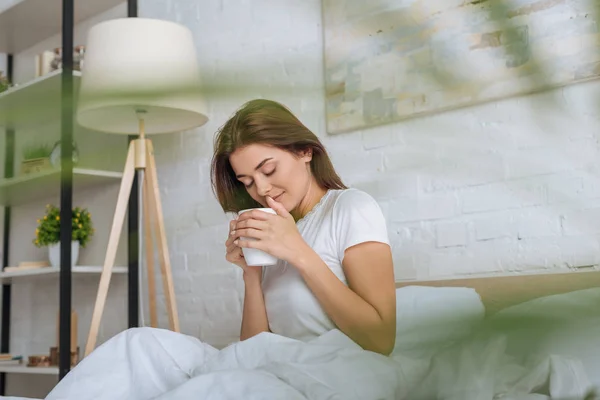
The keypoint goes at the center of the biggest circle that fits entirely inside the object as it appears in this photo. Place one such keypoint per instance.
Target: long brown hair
(270, 123)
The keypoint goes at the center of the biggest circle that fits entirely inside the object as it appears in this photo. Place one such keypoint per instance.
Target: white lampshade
(140, 64)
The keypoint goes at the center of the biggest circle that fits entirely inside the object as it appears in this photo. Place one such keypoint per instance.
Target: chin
(285, 205)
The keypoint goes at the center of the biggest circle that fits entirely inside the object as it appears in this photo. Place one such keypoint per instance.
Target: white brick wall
(510, 185)
(506, 186)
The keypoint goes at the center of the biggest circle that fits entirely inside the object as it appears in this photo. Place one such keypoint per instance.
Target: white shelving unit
(37, 273)
(20, 189)
(42, 94)
(32, 21)
(23, 369)
(36, 103)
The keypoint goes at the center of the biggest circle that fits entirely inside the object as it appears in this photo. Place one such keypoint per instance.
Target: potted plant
(4, 83)
(47, 233)
(36, 158)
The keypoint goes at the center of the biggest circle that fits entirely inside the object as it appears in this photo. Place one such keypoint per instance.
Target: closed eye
(249, 185)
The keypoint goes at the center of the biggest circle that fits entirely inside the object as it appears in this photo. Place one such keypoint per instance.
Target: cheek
(292, 180)
(253, 193)
(300, 174)
(295, 171)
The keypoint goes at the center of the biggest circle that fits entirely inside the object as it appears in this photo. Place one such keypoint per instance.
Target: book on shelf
(26, 265)
(9, 359)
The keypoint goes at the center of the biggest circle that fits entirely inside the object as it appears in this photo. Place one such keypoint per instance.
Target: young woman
(334, 271)
(335, 264)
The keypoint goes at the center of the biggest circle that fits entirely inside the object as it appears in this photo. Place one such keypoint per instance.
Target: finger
(252, 223)
(251, 244)
(234, 258)
(234, 253)
(230, 239)
(232, 224)
(249, 233)
(278, 207)
(232, 248)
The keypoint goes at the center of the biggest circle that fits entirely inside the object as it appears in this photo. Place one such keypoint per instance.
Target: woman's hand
(234, 253)
(276, 235)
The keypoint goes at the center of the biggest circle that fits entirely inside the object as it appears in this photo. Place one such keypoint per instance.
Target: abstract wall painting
(388, 60)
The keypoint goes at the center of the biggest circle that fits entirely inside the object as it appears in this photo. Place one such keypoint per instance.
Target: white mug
(255, 257)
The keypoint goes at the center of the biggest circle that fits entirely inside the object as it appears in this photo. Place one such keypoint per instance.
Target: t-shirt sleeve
(358, 219)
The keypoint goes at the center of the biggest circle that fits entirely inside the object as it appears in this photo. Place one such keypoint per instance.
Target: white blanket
(480, 369)
(147, 363)
(157, 364)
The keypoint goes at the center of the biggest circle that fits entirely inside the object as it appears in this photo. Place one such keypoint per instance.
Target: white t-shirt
(341, 219)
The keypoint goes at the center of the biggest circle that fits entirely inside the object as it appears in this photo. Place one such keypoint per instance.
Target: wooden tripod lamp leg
(113, 243)
(148, 221)
(163, 251)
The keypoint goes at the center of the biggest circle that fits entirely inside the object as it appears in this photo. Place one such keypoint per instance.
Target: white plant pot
(54, 253)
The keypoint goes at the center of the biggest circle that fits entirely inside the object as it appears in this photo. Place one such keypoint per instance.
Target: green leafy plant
(48, 230)
(4, 83)
(36, 151)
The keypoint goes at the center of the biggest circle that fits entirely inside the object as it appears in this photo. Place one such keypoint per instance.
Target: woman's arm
(365, 310)
(254, 316)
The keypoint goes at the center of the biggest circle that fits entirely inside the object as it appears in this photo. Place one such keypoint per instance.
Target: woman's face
(269, 171)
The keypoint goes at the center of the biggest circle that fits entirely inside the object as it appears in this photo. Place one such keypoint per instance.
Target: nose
(263, 187)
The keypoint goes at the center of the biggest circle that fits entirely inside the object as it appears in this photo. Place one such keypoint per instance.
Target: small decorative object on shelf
(36, 158)
(55, 353)
(57, 61)
(39, 360)
(55, 154)
(47, 234)
(78, 56)
(43, 63)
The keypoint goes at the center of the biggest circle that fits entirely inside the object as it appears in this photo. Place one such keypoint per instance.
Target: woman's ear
(306, 155)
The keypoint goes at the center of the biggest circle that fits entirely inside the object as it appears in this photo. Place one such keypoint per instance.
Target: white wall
(505, 186)
(501, 187)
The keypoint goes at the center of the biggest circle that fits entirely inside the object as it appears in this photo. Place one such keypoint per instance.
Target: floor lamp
(140, 77)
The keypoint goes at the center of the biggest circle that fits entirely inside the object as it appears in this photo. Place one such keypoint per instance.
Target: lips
(276, 198)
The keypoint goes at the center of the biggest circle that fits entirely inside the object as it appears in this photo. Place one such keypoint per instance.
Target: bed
(500, 292)
(515, 337)
(532, 336)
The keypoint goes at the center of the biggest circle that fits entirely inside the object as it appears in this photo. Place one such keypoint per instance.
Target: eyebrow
(257, 167)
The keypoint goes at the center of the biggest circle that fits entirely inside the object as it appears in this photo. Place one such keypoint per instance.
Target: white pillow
(431, 318)
(564, 324)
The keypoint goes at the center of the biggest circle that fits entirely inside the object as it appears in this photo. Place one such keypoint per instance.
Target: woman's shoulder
(342, 204)
(356, 217)
(346, 204)
(351, 198)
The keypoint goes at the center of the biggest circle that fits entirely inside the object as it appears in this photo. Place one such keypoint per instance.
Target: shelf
(34, 102)
(25, 188)
(7, 277)
(24, 369)
(32, 21)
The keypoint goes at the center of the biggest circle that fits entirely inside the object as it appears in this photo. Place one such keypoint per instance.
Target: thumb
(278, 207)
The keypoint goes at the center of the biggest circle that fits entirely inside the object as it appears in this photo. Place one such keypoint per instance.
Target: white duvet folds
(146, 363)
